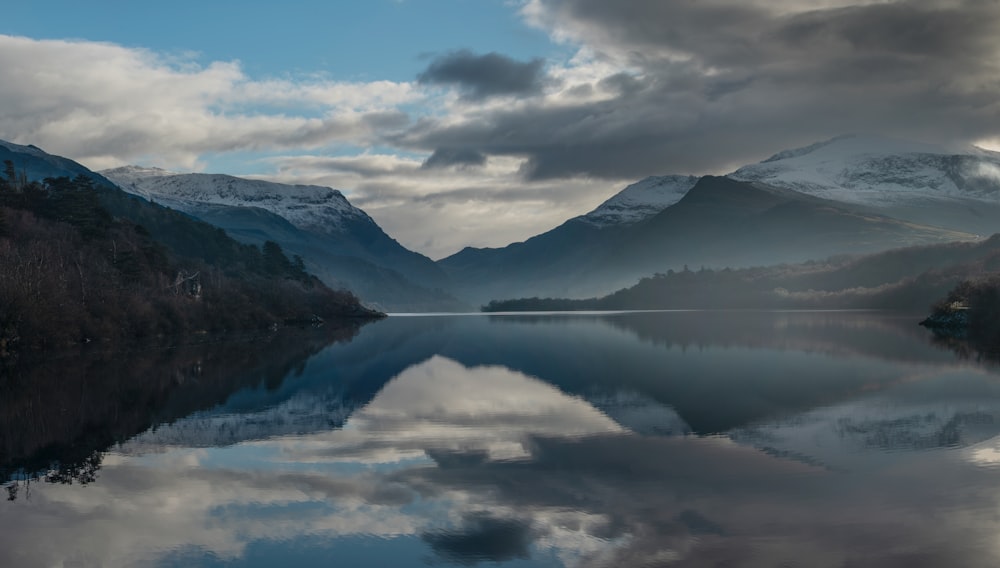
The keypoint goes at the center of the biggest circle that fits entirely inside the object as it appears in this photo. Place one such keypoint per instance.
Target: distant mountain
(35, 164)
(339, 242)
(719, 222)
(81, 262)
(640, 201)
(908, 279)
(724, 222)
(951, 187)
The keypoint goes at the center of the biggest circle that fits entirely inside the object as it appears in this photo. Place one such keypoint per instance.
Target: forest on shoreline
(910, 279)
(83, 263)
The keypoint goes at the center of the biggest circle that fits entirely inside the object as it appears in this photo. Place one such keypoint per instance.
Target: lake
(583, 440)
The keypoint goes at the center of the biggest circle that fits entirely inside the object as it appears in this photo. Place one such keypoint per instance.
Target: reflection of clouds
(581, 489)
(135, 514)
(440, 408)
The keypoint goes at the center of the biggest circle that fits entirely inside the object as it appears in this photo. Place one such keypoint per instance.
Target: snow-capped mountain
(340, 243)
(876, 193)
(640, 201)
(308, 207)
(720, 222)
(951, 186)
(897, 177)
(877, 171)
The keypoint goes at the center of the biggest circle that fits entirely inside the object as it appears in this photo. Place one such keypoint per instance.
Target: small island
(970, 311)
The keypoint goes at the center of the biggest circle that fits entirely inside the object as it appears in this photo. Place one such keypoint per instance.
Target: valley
(821, 204)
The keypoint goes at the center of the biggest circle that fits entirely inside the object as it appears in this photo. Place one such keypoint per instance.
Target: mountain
(84, 261)
(724, 222)
(719, 222)
(640, 201)
(339, 242)
(907, 279)
(33, 163)
(952, 187)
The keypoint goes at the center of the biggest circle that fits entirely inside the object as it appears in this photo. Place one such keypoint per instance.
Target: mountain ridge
(936, 192)
(339, 242)
(719, 222)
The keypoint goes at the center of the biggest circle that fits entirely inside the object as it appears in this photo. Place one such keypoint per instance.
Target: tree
(275, 261)
(10, 174)
(75, 201)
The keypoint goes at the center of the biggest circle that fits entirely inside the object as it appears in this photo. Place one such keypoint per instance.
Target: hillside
(910, 278)
(953, 187)
(849, 194)
(77, 271)
(338, 242)
(719, 222)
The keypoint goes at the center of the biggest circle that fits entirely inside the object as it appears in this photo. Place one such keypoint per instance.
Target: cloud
(446, 157)
(440, 210)
(107, 105)
(701, 87)
(484, 76)
(484, 149)
(483, 539)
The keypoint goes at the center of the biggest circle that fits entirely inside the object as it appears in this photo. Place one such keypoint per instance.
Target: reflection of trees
(58, 415)
(881, 334)
(970, 346)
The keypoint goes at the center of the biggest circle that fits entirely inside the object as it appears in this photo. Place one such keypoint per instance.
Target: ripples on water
(649, 439)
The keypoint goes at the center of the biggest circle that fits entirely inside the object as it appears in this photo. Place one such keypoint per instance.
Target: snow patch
(308, 207)
(640, 201)
(877, 171)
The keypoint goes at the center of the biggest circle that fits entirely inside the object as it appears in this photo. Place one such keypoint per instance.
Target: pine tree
(275, 261)
(10, 174)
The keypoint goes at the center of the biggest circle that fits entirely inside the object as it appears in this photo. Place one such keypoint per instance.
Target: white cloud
(651, 88)
(439, 211)
(107, 105)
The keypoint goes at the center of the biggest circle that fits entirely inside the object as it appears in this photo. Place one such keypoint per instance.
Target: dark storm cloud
(720, 83)
(445, 157)
(483, 539)
(483, 76)
(700, 502)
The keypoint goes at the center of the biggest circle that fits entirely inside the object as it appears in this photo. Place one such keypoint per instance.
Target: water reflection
(58, 414)
(627, 440)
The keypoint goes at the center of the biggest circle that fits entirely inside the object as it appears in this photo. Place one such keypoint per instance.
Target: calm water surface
(643, 439)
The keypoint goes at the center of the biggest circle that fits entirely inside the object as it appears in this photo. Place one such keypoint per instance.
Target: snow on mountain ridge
(878, 171)
(640, 200)
(308, 207)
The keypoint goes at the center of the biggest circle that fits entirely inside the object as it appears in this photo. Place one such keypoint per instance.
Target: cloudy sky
(482, 122)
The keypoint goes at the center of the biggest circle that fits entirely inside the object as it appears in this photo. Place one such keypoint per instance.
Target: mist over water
(627, 439)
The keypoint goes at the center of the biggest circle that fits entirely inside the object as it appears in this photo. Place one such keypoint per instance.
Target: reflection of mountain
(654, 373)
(62, 410)
(487, 439)
(948, 411)
(318, 396)
(883, 335)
